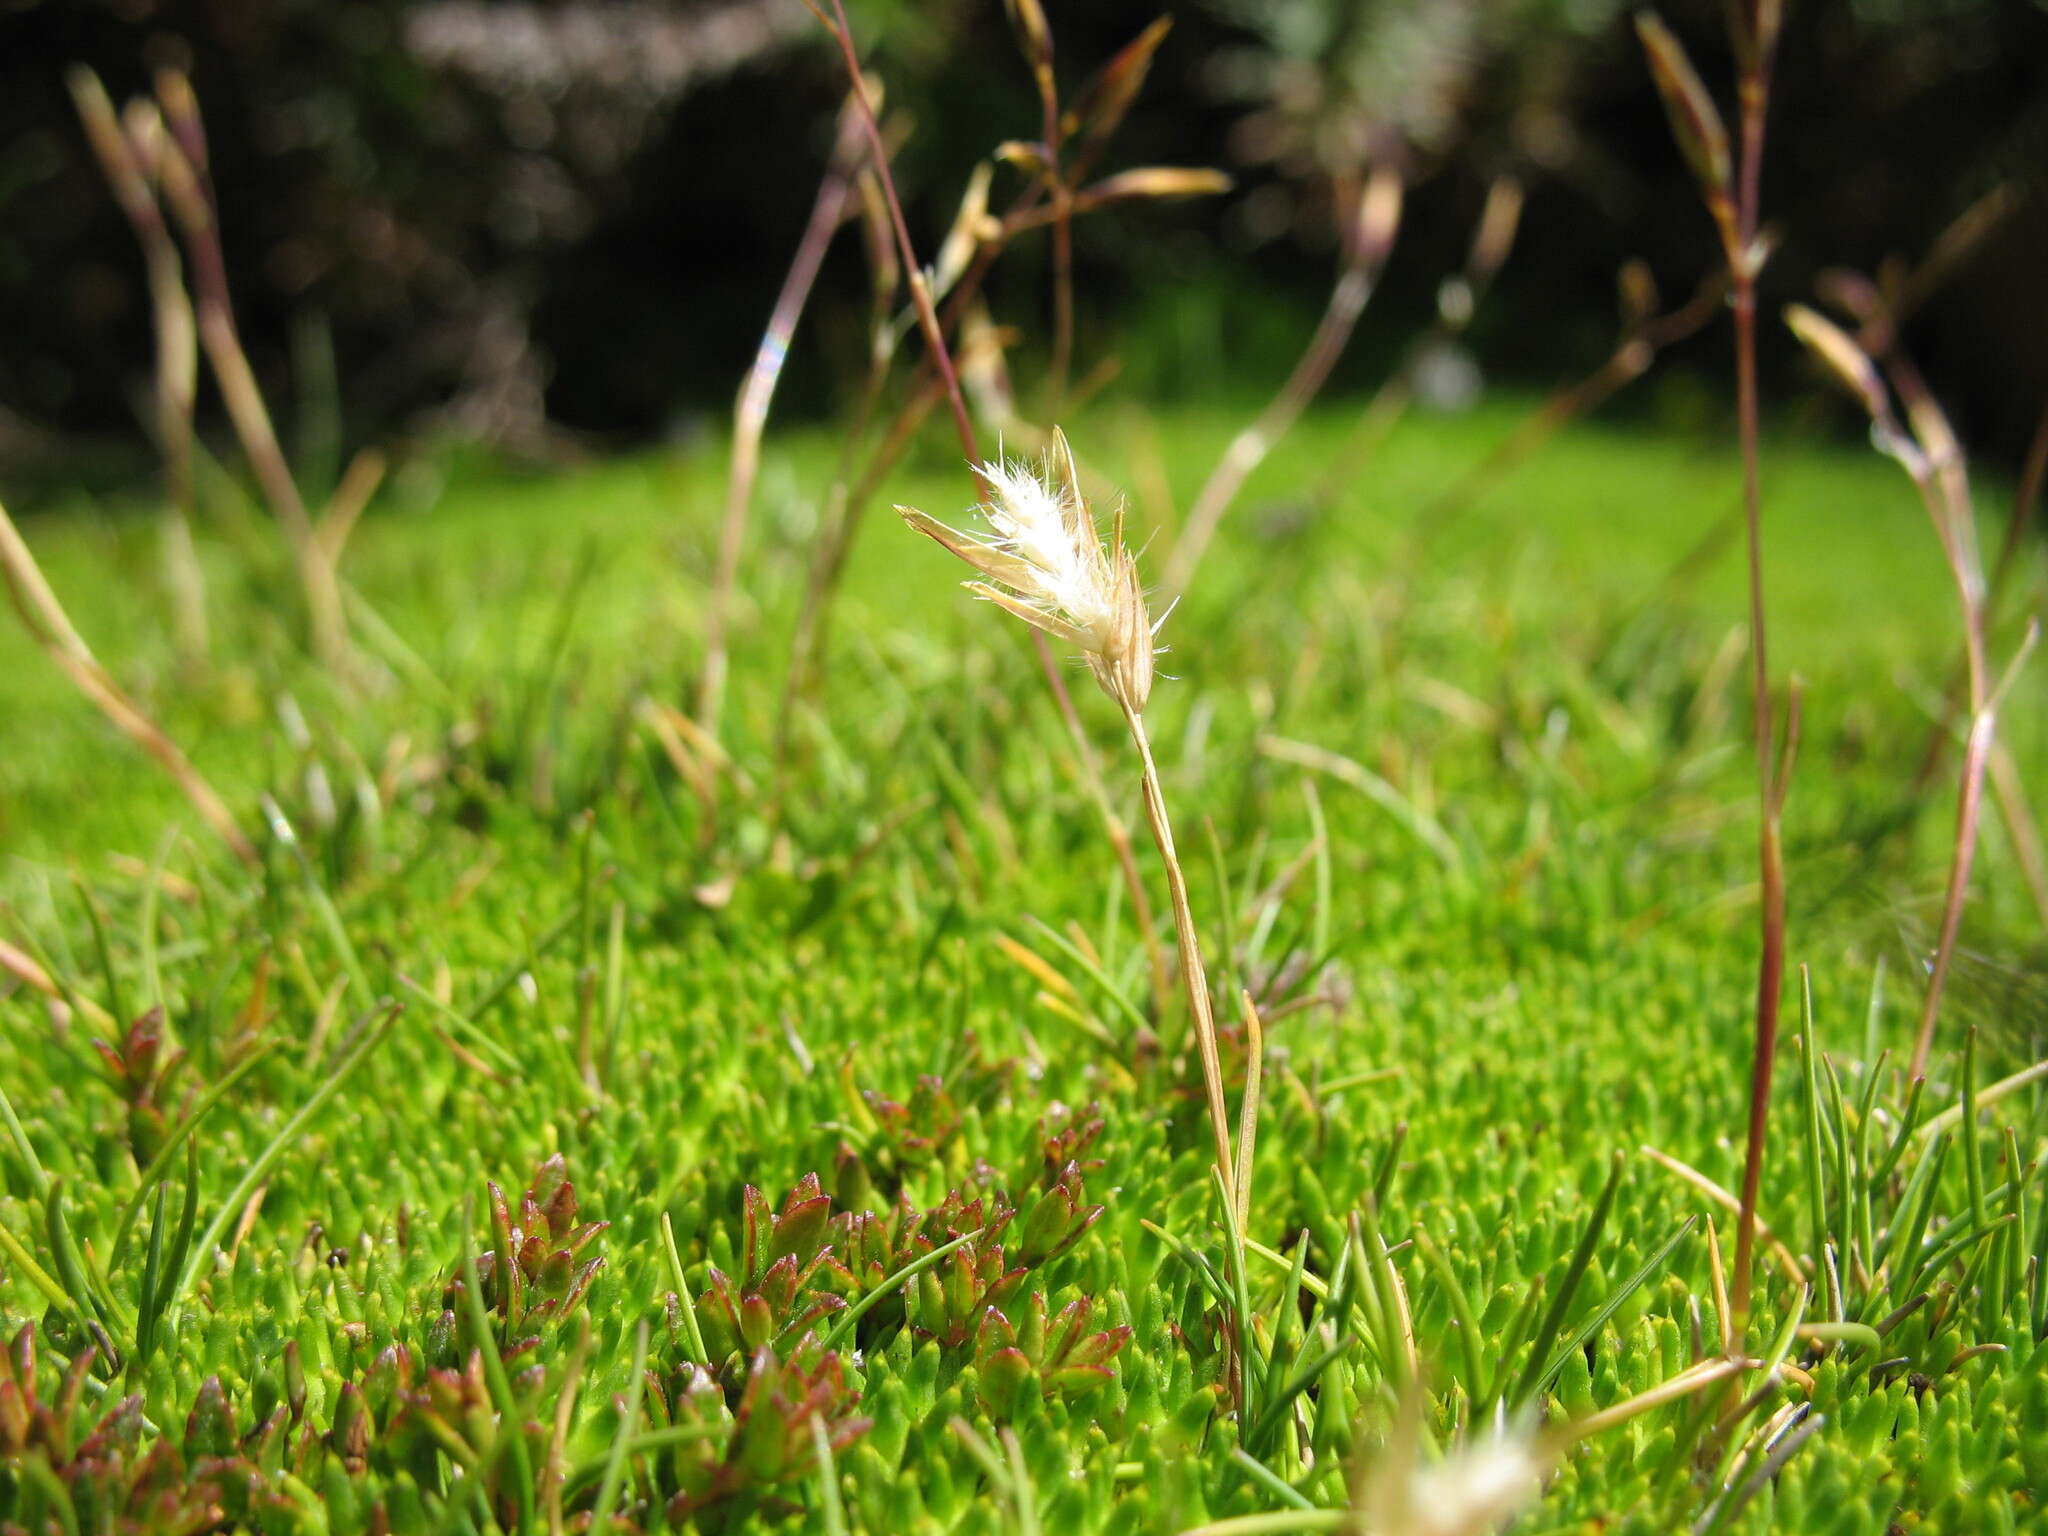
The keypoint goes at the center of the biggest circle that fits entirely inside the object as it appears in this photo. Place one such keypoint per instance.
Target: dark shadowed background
(545, 224)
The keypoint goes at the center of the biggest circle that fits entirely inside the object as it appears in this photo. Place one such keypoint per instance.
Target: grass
(1466, 808)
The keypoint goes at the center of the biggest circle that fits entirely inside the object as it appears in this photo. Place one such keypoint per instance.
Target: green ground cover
(1466, 803)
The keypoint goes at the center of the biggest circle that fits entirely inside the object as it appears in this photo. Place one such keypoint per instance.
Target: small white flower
(1053, 569)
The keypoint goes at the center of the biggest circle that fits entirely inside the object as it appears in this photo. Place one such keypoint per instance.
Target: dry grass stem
(837, 194)
(185, 190)
(1248, 1106)
(51, 628)
(1926, 447)
(1368, 239)
(129, 148)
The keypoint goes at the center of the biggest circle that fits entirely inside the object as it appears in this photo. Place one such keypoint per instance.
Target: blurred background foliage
(544, 224)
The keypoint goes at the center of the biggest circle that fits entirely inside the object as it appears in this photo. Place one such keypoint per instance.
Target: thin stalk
(2025, 497)
(750, 412)
(828, 561)
(1633, 354)
(920, 290)
(1062, 227)
(2020, 827)
(1062, 295)
(1754, 90)
(1248, 1107)
(1934, 460)
(1968, 804)
(191, 202)
(1193, 976)
(940, 358)
(629, 1421)
(1943, 487)
(51, 628)
(1457, 301)
(125, 151)
(1369, 238)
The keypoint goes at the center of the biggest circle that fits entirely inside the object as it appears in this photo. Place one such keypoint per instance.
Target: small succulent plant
(536, 1274)
(1058, 1354)
(115, 1476)
(776, 1300)
(770, 1441)
(142, 1072)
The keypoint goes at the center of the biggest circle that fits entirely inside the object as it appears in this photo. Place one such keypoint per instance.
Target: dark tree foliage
(502, 218)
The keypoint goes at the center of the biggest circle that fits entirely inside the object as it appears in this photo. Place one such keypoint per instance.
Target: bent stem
(51, 628)
(1368, 241)
(1969, 800)
(1634, 351)
(750, 412)
(1939, 474)
(1194, 978)
(1457, 301)
(190, 198)
(125, 152)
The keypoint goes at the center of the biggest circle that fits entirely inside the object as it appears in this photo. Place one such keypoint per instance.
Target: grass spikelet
(1045, 563)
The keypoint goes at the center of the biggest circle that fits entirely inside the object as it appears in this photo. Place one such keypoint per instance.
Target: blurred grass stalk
(837, 191)
(185, 188)
(1926, 447)
(1645, 332)
(51, 628)
(1732, 192)
(1457, 300)
(1368, 239)
(155, 158)
(129, 149)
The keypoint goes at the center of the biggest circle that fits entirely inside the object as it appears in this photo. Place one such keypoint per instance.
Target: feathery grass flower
(1046, 563)
(1475, 1488)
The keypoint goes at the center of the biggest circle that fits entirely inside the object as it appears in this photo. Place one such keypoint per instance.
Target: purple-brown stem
(189, 193)
(1976, 758)
(1942, 488)
(1754, 90)
(920, 291)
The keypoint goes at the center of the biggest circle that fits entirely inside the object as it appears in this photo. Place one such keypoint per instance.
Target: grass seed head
(1046, 563)
(1475, 1488)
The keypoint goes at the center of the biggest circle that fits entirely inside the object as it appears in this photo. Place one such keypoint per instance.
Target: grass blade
(377, 1025)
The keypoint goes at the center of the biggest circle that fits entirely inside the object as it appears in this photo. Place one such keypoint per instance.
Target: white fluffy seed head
(1049, 567)
(1476, 1488)
(1056, 539)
